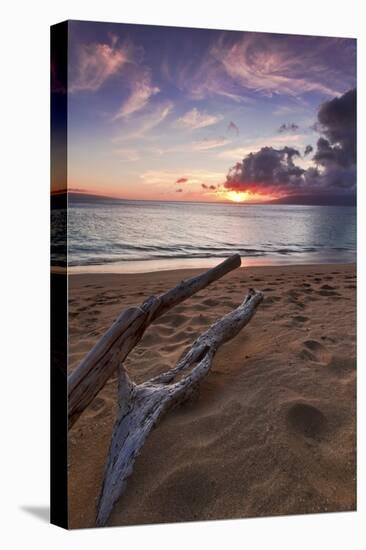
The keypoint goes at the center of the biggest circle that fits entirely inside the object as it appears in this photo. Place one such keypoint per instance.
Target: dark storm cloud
(181, 180)
(273, 170)
(337, 118)
(268, 167)
(291, 127)
(336, 152)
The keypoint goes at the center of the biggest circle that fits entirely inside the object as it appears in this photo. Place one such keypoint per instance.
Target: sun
(237, 196)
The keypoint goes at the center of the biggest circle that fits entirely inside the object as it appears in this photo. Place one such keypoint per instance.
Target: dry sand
(272, 429)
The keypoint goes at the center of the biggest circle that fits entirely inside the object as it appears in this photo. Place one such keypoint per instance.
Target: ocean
(133, 236)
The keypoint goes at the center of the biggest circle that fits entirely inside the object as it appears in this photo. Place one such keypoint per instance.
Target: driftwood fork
(141, 406)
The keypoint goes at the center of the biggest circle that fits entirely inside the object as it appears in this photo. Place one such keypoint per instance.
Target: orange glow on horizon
(237, 196)
(219, 195)
(244, 196)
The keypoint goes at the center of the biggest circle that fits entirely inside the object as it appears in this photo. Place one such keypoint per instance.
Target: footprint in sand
(307, 420)
(99, 407)
(315, 351)
(293, 298)
(328, 287)
(328, 293)
(268, 300)
(342, 366)
(210, 303)
(300, 318)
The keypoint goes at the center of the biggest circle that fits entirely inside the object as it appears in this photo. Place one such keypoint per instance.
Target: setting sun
(237, 196)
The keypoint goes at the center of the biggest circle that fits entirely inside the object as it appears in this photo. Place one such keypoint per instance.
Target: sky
(169, 113)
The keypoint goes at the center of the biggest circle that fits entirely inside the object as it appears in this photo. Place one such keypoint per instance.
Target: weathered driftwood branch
(112, 349)
(141, 406)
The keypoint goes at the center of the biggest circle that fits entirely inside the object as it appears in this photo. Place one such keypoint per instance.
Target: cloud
(93, 64)
(195, 119)
(284, 110)
(336, 153)
(275, 64)
(179, 191)
(143, 124)
(196, 177)
(337, 120)
(290, 127)
(142, 90)
(268, 167)
(181, 180)
(242, 66)
(209, 187)
(127, 154)
(273, 170)
(207, 144)
(232, 127)
(202, 145)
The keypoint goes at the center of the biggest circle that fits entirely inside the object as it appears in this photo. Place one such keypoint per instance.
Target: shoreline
(156, 266)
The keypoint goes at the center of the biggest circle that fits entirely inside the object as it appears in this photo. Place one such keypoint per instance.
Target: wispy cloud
(127, 154)
(206, 144)
(195, 177)
(144, 124)
(142, 90)
(195, 119)
(95, 63)
(269, 65)
(284, 110)
(246, 66)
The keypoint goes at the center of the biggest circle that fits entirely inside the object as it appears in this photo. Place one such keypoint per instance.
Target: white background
(24, 218)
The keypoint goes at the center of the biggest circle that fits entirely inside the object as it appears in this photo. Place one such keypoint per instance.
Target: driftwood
(112, 349)
(141, 406)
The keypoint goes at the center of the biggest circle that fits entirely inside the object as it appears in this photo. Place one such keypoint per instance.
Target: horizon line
(275, 202)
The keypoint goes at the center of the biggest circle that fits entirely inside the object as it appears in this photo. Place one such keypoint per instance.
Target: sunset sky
(190, 114)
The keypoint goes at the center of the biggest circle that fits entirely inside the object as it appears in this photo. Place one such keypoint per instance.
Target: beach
(271, 429)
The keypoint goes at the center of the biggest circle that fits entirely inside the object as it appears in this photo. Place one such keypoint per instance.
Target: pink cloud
(263, 64)
(142, 90)
(96, 63)
(267, 65)
(195, 119)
